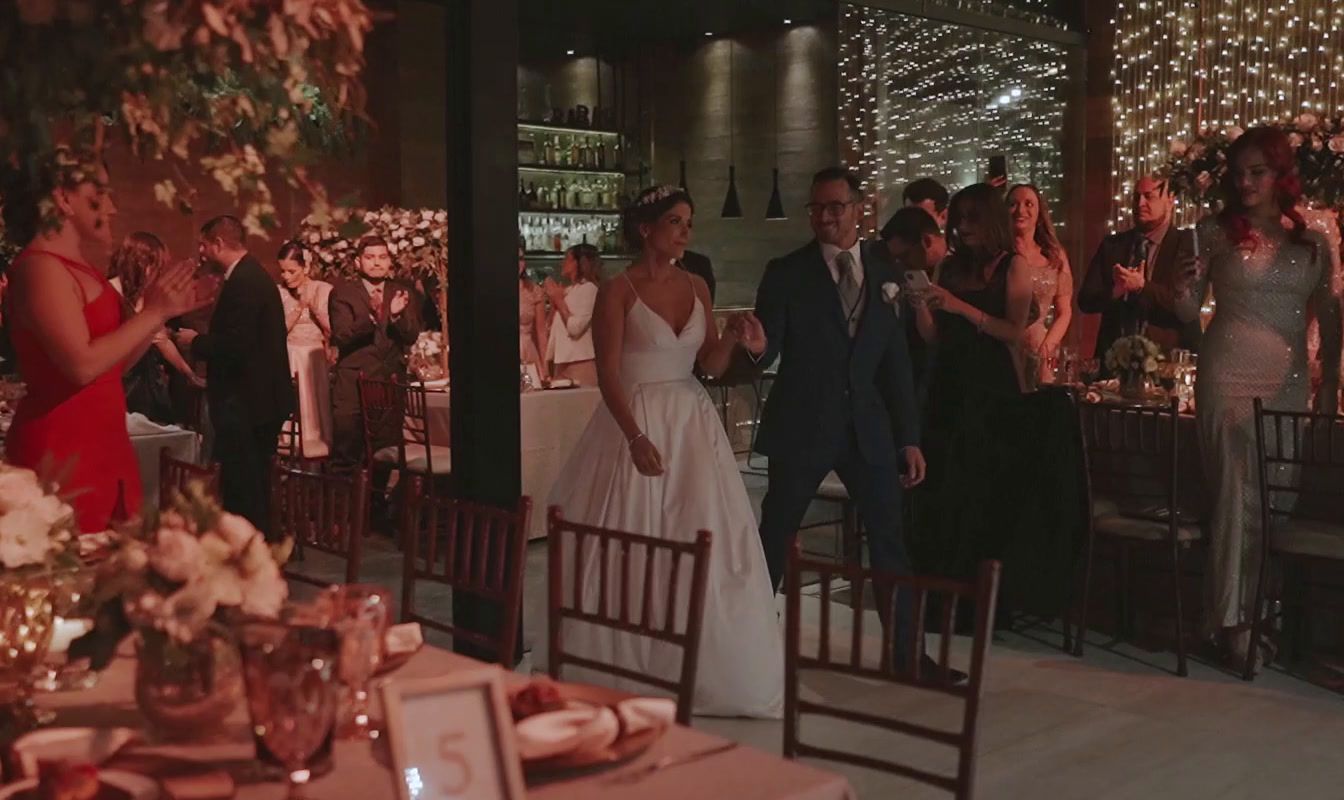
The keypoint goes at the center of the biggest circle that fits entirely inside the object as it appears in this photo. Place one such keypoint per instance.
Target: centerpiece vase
(27, 620)
(1134, 384)
(185, 690)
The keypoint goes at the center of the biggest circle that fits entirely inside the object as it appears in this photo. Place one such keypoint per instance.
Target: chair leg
(1181, 669)
(1248, 669)
(1089, 553)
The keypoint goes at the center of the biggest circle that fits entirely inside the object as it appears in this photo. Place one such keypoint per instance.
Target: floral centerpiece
(1196, 166)
(181, 580)
(37, 543)
(428, 359)
(1135, 360)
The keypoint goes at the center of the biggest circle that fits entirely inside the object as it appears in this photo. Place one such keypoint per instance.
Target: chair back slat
(290, 445)
(468, 547)
(571, 548)
(891, 592)
(1301, 464)
(1131, 456)
(323, 511)
(175, 475)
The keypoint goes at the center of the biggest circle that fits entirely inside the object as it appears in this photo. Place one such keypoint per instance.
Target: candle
(1195, 232)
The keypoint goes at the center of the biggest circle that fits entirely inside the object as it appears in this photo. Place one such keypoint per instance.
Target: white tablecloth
(361, 770)
(551, 423)
(182, 445)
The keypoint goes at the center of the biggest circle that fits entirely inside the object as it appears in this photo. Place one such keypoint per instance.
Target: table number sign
(452, 738)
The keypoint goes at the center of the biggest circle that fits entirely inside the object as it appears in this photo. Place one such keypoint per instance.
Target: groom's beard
(376, 281)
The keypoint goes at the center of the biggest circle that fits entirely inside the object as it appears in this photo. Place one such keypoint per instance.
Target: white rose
(24, 538)
(18, 487)
(215, 550)
(1337, 144)
(185, 612)
(424, 224)
(891, 292)
(385, 217)
(440, 216)
(314, 238)
(256, 558)
(426, 215)
(51, 510)
(370, 217)
(1150, 365)
(437, 234)
(235, 530)
(176, 555)
(342, 244)
(265, 593)
(418, 241)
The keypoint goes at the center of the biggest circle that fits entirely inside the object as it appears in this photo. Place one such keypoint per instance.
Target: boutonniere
(891, 295)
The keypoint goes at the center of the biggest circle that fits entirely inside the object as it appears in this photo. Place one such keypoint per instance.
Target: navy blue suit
(838, 403)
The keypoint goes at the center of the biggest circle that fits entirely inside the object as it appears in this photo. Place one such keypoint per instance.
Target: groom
(844, 399)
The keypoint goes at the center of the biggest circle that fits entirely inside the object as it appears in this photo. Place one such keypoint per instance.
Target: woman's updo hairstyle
(648, 207)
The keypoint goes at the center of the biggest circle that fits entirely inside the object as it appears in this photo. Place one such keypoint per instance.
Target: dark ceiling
(549, 28)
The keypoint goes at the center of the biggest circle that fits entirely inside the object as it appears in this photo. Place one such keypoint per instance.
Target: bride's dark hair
(648, 207)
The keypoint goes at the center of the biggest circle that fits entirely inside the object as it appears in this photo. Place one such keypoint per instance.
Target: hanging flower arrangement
(416, 238)
(1196, 166)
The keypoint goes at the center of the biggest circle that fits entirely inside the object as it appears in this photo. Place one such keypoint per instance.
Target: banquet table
(361, 769)
(551, 422)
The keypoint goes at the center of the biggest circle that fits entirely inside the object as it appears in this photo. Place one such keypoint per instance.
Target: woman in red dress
(71, 340)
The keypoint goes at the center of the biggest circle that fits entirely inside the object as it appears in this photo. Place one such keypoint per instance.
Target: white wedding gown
(741, 666)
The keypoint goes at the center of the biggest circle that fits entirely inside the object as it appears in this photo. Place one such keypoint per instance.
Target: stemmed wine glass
(359, 613)
(289, 672)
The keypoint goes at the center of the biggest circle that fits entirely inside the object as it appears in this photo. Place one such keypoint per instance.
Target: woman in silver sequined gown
(1265, 286)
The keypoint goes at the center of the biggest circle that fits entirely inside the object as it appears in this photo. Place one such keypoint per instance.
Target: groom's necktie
(850, 294)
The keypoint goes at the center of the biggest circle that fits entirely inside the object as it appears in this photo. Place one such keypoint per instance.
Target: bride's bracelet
(631, 441)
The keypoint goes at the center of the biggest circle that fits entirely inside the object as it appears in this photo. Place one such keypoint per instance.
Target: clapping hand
(172, 292)
(1128, 279)
(399, 302)
(553, 290)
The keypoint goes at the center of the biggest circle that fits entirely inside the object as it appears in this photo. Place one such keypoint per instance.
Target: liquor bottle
(547, 152)
(585, 154)
(571, 118)
(543, 197)
(532, 195)
(601, 155)
(574, 199)
(575, 153)
(523, 203)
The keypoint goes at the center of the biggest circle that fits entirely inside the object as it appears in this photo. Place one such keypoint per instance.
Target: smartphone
(998, 168)
(917, 280)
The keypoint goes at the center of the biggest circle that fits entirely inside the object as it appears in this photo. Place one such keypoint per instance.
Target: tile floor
(1116, 724)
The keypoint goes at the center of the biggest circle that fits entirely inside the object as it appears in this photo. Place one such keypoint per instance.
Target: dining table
(361, 769)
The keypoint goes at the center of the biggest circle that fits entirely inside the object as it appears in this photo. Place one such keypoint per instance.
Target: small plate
(113, 785)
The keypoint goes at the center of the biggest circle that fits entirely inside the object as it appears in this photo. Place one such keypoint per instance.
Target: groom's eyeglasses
(833, 209)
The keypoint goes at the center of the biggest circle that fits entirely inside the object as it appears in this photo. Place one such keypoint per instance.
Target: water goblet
(290, 674)
(359, 613)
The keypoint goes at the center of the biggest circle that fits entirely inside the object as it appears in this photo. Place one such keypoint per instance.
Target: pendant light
(775, 208)
(682, 182)
(732, 208)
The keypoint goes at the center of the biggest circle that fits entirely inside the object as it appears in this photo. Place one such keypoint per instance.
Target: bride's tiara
(657, 194)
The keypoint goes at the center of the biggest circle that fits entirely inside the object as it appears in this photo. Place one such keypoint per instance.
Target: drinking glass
(358, 612)
(73, 605)
(289, 672)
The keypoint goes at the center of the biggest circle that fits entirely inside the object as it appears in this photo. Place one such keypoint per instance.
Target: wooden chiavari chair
(290, 446)
(884, 667)
(471, 548)
(176, 475)
(1300, 458)
(616, 607)
(387, 406)
(324, 512)
(1131, 464)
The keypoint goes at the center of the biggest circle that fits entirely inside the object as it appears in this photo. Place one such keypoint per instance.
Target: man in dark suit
(699, 264)
(915, 242)
(844, 399)
(249, 390)
(374, 321)
(1135, 276)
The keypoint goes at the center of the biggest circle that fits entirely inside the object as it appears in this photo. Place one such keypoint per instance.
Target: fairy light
(922, 98)
(1182, 66)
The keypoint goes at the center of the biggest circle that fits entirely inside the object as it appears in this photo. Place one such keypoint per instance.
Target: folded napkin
(586, 729)
(404, 638)
(441, 383)
(80, 745)
(113, 749)
(561, 383)
(138, 424)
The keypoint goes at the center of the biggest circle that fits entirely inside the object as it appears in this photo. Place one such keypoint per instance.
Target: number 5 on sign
(452, 738)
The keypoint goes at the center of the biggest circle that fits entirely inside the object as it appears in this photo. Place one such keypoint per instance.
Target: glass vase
(27, 620)
(1134, 385)
(185, 690)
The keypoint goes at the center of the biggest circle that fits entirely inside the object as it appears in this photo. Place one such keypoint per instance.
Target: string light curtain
(923, 98)
(1183, 66)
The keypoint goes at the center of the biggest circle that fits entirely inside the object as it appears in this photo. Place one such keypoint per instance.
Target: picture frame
(451, 736)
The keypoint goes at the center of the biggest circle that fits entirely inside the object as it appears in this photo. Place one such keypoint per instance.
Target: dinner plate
(115, 785)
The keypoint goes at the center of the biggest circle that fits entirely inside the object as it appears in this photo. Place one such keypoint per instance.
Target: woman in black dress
(986, 495)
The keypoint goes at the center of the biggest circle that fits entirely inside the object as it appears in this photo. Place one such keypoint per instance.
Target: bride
(655, 460)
